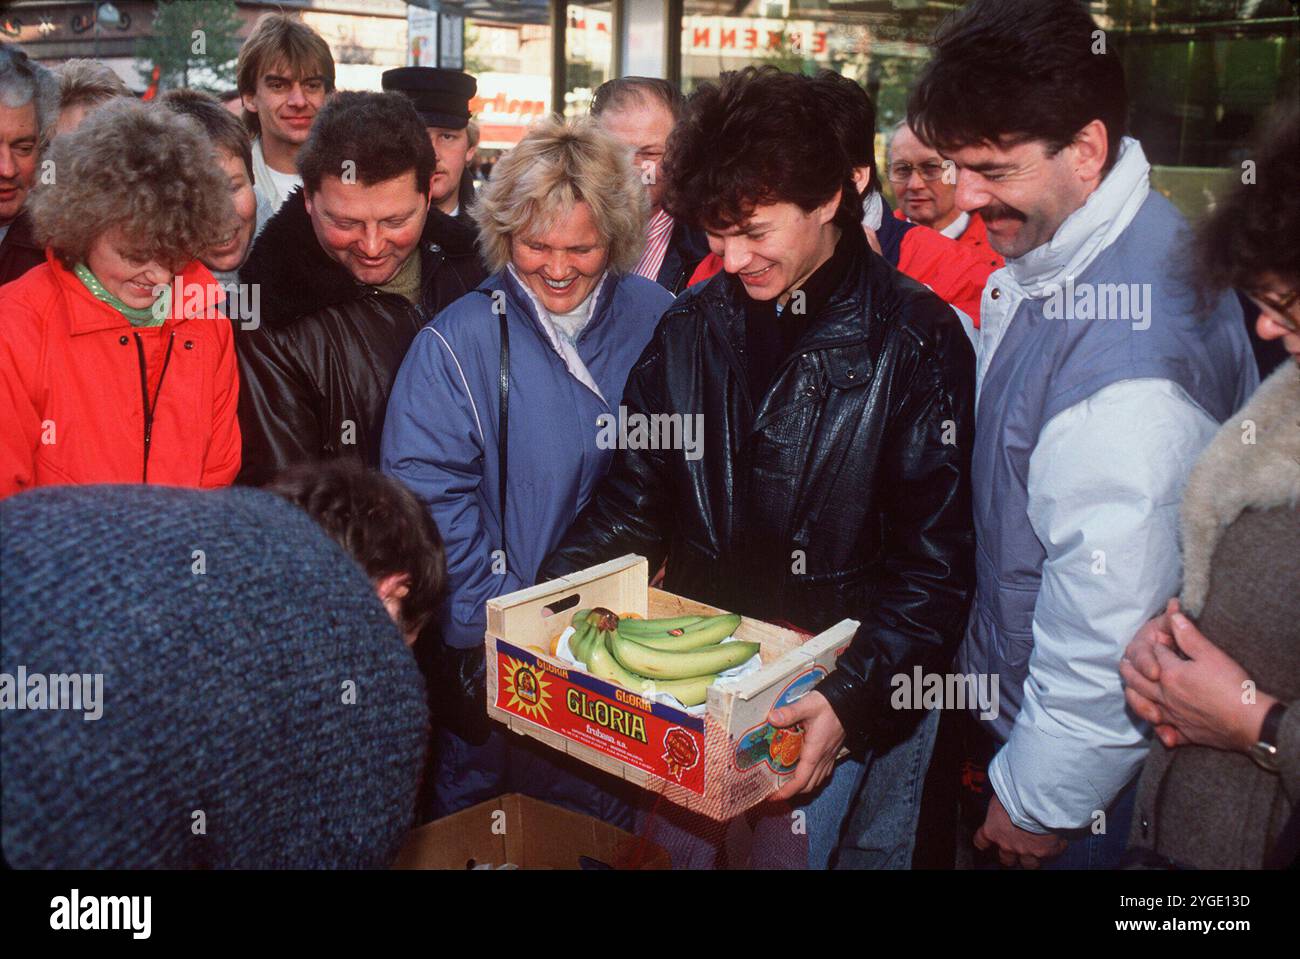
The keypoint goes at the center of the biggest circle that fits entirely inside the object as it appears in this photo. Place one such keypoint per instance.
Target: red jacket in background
(976, 235)
(73, 374)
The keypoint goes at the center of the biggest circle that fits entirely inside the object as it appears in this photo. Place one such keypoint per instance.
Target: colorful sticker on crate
(776, 746)
(657, 739)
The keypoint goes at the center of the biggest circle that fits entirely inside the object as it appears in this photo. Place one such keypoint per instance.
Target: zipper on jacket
(149, 408)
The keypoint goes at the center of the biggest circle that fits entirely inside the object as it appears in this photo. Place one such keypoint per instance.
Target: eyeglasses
(1280, 308)
(902, 172)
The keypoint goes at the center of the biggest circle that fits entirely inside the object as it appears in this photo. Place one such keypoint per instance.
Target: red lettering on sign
(774, 39)
(751, 39)
(726, 38)
(819, 42)
(700, 38)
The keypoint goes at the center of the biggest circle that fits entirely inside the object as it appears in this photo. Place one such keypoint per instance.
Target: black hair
(1007, 72)
(756, 136)
(853, 119)
(379, 134)
(380, 523)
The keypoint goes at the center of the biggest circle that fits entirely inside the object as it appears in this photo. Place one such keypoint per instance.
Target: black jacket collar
(841, 318)
(298, 278)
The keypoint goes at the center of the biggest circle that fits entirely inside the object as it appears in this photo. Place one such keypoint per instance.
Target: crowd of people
(1015, 428)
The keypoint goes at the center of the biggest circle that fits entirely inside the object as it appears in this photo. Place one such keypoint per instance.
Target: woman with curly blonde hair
(115, 367)
(522, 372)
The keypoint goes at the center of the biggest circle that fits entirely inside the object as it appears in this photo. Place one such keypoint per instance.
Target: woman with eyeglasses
(1218, 673)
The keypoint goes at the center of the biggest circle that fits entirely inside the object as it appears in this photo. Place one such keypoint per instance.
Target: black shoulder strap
(503, 422)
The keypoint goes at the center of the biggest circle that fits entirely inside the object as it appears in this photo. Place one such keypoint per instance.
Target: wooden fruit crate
(718, 764)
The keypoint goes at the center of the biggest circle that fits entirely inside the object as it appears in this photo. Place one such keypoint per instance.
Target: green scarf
(149, 316)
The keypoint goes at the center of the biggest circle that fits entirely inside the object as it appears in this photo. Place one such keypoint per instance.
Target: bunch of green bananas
(681, 656)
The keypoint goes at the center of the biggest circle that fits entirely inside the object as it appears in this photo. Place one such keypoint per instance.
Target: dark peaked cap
(441, 97)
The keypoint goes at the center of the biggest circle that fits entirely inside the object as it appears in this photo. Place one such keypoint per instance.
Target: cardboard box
(527, 833)
(718, 764)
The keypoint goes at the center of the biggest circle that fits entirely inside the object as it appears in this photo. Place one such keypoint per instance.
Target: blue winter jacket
(440, 434)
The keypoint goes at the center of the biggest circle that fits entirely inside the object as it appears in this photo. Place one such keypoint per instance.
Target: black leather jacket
(316, 374)
(843, 492)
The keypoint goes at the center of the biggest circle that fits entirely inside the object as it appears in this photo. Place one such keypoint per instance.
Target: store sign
(507, 104)
(753, 38)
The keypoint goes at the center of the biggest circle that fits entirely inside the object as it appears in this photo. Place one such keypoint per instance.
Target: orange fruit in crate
(630, 616)
(555, 645)
(786, 745)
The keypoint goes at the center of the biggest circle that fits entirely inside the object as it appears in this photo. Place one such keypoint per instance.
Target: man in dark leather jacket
(345, 274)
(837, 404)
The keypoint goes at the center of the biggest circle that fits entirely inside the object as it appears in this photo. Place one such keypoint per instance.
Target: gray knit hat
(257, 707)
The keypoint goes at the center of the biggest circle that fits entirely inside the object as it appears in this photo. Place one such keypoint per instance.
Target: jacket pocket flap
(849, 367)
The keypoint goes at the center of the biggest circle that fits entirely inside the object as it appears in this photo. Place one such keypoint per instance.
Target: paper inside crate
(720, 763)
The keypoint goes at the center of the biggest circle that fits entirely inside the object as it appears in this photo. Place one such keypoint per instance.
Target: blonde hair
(141, 168)
(556, 165)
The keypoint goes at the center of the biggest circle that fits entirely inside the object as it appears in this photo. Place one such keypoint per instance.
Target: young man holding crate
(837, 398)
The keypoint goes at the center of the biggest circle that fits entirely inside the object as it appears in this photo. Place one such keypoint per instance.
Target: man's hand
(1196, 700)
(822, 738)
(1016, 846)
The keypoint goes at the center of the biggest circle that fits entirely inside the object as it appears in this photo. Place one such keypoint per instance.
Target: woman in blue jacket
(550, 337)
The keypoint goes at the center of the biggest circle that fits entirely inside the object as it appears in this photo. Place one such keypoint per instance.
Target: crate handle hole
(560, 605)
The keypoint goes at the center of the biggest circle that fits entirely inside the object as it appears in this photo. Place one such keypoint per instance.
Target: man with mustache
(29, 107)
(285, 72)
(1091, 410)
(925, 186)
(441, 98)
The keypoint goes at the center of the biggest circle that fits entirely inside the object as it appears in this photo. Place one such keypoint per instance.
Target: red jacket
(73, 374)
(976, 235)
(955, 271)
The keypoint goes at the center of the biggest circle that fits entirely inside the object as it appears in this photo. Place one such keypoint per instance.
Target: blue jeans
(1102, 851)
(865, 816)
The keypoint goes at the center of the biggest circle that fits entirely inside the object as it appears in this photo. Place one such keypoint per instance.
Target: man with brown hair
(83, 85)
(347, 273)
(284, 74)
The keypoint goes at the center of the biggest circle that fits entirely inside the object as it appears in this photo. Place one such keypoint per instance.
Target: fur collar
(298, 278)
(1234, 475)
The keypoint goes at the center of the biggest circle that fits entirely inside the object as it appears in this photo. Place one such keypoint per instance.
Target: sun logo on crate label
(681, 752)
(529, 689)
